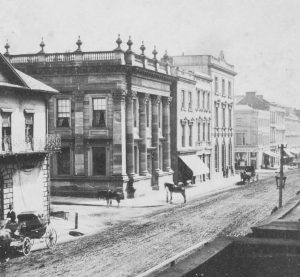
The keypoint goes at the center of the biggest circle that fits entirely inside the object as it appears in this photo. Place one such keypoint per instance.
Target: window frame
(57, 112)
(92, 111)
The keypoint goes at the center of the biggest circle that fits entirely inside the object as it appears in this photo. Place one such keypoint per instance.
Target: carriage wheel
(26, 246)
(50, 237)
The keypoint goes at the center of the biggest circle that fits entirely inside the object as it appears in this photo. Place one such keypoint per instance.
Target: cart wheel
(26, 246)
(50, 237)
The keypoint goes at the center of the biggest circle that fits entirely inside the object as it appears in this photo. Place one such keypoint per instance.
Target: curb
(212, 192)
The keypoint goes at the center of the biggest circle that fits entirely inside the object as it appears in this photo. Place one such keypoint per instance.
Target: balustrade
(50, 143)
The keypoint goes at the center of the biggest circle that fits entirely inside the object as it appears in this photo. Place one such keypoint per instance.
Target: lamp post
(281, 179)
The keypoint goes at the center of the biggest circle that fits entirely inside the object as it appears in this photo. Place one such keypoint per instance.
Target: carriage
(30, 226)
(249, 174)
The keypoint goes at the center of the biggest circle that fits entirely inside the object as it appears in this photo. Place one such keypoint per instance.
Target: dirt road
(132, 247)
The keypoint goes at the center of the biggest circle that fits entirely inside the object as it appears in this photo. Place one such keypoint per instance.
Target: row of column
(143, 102)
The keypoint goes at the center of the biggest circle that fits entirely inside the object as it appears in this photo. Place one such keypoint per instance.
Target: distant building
(191, 123)
(276, 127)
(292, 130)
(252, 137)
(113, 115)
(222, 74)
(25, 145)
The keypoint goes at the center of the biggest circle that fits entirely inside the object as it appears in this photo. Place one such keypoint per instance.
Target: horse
(170, 188)
(109, 195)
(245, 177)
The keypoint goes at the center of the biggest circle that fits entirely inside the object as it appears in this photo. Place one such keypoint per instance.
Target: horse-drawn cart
(30, 226)
(249, 174)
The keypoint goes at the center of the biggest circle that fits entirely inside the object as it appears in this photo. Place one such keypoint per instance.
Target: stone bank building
(25, 145)
(113, 116)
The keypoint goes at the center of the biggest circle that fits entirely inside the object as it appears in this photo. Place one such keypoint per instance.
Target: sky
(260, 38)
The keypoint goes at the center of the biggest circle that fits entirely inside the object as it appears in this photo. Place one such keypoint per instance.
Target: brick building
(113, 115)
(222, 74)
(24, 149)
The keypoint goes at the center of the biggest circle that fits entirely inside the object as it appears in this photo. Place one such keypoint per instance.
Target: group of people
(226, 170)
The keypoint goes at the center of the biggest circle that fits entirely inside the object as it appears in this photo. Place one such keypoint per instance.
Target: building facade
(292, 130)
(113, 115)
(252, 137)
(25, 145)
(276, 128)
(222, 106)
(191, 126)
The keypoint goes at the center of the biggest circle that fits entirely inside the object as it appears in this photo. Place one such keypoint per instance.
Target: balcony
(11, 146)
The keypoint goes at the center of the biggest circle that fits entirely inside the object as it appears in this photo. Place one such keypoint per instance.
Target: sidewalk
(156, 198)
(94, 216)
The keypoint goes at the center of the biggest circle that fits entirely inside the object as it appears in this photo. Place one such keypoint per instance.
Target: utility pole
(281, 176)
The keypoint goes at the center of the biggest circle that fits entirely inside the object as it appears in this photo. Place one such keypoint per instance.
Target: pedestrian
(232, 172)
(11, 214)
(227, 171)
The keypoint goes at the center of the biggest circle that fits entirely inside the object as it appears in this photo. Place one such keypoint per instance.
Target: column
(143, 134)
(166, 134)
(129, 134)
(155, 134)
(78, 130)
(119, 133)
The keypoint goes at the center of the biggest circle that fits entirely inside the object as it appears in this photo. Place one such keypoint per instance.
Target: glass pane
(63, 161)
(99, 161)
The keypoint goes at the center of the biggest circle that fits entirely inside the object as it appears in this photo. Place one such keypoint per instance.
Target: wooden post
(281, 176)
(76, 220)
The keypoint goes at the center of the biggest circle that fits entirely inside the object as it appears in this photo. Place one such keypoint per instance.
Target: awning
(271, 154)
(288, 153)
(195, 164)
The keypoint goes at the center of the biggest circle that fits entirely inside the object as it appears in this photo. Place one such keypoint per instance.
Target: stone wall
(8, 167)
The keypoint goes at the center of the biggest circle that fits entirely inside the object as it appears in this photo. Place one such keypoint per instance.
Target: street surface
(133, 245)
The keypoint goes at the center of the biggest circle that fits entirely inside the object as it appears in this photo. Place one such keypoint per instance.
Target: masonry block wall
(7, 170)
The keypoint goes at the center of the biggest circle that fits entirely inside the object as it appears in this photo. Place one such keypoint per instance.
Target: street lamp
(277, 178)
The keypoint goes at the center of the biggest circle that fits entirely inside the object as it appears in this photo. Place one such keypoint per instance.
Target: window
(183, 136)
(223, 87)
(229, 88)
(208, 131)
(198, 99)
(63, 113)
(182, 99)
(63, 161)
(99, 112)
(224, 119)
(190, 100)
(159, 115)
(160, 157)
(29, 130)
(240, 139)
(191, 135)
(217, 116)
(199, 130)
(203, 130)
(6, 131)
(136, 160)
(135, 112)
(99, 161)
(216, 85)
(147, 113)
(208, 101)
(203, 100)
(230, 118)
(217, 157)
